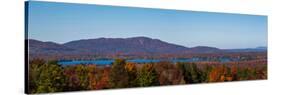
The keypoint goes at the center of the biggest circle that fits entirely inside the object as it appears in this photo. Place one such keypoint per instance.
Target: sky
(64, 22)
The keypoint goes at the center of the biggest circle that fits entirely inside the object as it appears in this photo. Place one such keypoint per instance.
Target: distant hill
(203, 49)
(39, 47)
(128, 46)
(257, 49)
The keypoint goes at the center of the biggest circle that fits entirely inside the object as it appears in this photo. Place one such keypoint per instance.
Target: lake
(141, 61)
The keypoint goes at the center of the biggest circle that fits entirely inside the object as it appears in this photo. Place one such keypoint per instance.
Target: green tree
(47, 77)
(33, 74)
(191, 72)
(147, 76)
(118, 76)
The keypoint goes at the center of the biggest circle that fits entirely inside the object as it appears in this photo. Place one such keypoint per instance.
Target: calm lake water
(141, 61)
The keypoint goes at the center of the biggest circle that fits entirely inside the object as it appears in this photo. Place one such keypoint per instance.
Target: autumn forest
(49, 76)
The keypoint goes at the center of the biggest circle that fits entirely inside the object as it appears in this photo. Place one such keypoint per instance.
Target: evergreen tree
(118, 76)
(147, 76)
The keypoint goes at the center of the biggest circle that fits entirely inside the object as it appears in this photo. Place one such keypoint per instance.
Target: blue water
(141, 61)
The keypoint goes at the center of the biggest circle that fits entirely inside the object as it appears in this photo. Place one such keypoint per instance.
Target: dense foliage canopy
(49, 76)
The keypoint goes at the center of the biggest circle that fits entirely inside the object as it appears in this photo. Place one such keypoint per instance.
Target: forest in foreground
(49, 76)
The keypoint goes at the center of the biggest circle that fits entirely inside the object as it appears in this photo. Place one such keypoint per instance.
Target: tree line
(48, 76)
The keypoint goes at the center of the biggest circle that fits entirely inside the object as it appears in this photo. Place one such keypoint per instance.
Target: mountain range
(134, 45)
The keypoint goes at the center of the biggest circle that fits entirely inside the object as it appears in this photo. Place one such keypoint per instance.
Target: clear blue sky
(64, 22)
